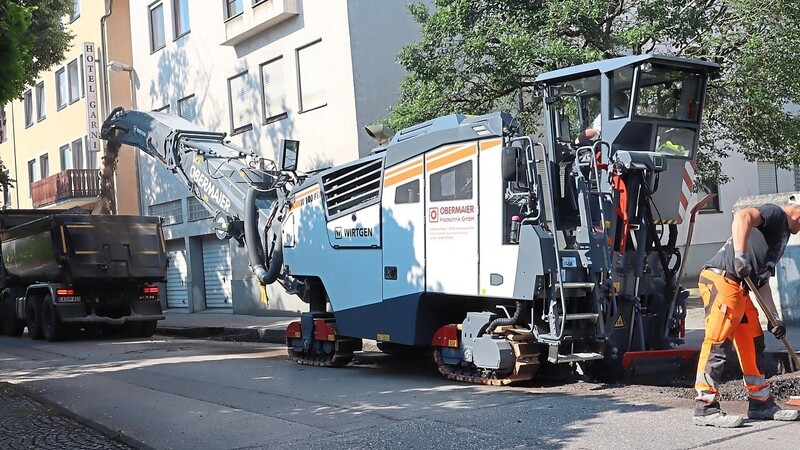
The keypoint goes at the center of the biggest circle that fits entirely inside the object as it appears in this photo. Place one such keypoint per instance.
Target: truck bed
(68, 247)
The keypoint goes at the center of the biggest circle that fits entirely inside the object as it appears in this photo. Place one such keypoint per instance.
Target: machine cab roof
(638, 103)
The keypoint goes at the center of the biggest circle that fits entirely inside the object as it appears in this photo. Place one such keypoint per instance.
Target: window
(233, 8)
(407, 193)
(187, 108)
(311, 67)
(454, 183)
(6, 190)
(73, 79)
(172, 212)
(91, 158)
(76, 10)
(273, 90)
(65, 156)
(77, 154)
(164, 109)
(710, 188)
(196, 209)
(61, 88)
(40, 111)
(157, 39)
(3, 129)
(33, 174)
(767, 177)
(241, 114)
(44, 166)
(180, 17)
(27, 101)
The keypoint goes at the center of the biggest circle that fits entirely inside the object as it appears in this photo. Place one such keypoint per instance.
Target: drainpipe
(14, 146)
(104, 57)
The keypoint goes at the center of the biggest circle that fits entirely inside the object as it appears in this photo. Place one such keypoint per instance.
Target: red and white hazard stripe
(687, 185)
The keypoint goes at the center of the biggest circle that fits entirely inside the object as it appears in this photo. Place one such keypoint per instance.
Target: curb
(258, 334)
(115, 435)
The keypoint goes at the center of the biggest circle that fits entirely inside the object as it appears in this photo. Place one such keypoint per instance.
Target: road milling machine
(500, 251)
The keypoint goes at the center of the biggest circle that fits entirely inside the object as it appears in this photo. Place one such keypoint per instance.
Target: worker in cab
(758, 240)
(591, 134)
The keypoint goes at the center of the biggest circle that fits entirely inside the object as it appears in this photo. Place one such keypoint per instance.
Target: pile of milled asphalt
(782, 386)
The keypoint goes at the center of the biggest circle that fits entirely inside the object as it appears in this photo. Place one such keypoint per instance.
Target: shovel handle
(773, 321)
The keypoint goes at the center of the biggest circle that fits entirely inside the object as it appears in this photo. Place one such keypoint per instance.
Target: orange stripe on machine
(403, 176)
(489, 144)
(452, 157)
(305, 197)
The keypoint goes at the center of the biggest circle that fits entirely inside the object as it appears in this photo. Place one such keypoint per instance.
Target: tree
(32, 39)
(475, 56)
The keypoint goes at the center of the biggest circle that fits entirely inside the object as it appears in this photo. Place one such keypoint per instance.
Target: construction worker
(592, 133)
(758, 239)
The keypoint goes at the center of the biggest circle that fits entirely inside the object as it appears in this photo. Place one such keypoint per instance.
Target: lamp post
(116, 66)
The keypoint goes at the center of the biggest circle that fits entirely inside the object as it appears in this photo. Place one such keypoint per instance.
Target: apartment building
(309, 70)
(49, 142)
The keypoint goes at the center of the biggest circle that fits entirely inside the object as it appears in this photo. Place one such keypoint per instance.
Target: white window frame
(245, 112)
(311, 76)
(150, 20)
(44, 166)
(27, 106)
(230, 14)
(273, 89)
(62, 89)
(65, 157)
(73, 81)
(79, 156)
(188, 100)
(41, 111)
(178, 7)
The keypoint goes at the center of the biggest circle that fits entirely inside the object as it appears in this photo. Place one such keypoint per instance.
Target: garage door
(217, 273)
(177, 271)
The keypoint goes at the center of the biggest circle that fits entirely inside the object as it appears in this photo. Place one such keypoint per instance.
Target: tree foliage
(476, 56)
(32, 39)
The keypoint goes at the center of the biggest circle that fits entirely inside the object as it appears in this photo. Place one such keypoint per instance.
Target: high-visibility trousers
(730, 316)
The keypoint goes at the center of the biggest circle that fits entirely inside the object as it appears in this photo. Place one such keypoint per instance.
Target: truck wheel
(33, 320)
(52, 327)
(11, 326)
(148, 328)
(140, 329)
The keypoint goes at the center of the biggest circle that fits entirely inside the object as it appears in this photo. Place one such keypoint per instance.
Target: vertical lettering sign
(92, 114)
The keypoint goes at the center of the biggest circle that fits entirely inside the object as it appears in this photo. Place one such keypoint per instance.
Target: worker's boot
(769, 410)
(711, 415)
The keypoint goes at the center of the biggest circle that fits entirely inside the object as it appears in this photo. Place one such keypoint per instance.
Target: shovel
(773, 322)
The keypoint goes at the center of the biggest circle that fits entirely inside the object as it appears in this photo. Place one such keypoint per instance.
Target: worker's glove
(763, 274)
(779, 331)
(741, 265)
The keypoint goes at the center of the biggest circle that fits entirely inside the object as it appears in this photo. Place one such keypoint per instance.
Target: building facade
(48, 145)
(313, 71)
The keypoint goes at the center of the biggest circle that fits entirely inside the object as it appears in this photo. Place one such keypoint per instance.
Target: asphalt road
(194, 394)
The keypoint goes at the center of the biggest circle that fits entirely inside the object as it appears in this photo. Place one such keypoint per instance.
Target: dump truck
(501, 251)
(63, 270)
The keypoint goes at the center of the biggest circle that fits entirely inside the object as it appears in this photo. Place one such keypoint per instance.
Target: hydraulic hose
(255, 249)
(505, 320)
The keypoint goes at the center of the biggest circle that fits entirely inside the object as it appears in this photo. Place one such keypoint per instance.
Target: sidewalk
(208, 324)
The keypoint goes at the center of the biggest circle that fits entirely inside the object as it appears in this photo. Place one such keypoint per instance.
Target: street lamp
(116, 66)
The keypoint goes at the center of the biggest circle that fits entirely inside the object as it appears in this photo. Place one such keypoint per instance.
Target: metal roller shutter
(177, 273)
(217, 273)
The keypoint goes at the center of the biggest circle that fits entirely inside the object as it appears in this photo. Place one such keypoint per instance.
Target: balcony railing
(66, 185)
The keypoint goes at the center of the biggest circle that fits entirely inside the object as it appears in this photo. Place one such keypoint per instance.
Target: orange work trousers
(730, 316)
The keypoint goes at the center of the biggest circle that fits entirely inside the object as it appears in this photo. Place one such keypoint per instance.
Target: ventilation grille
(352, 186)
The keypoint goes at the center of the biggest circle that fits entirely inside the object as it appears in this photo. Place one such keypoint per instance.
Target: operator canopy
(639, 103)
